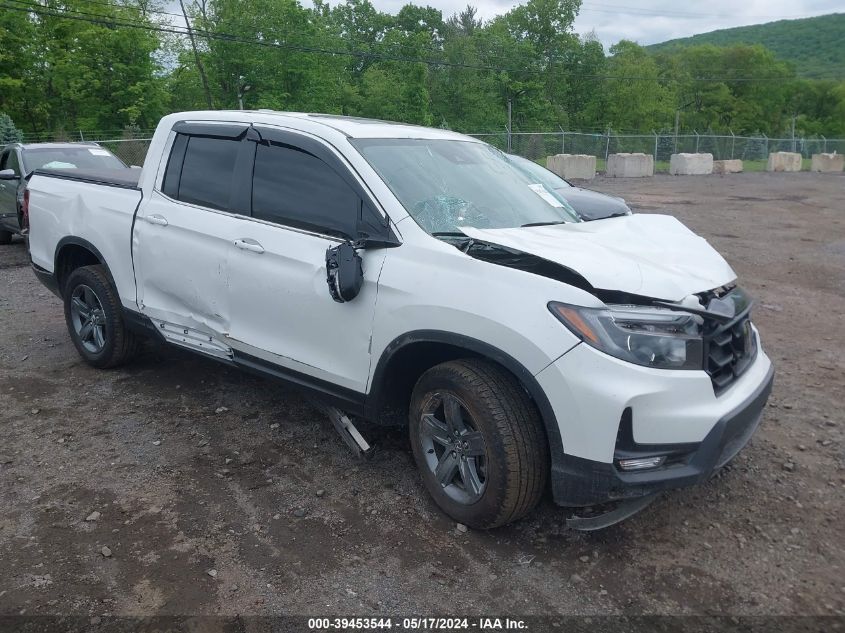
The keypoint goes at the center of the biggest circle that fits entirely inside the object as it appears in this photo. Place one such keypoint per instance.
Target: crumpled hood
(649, 255)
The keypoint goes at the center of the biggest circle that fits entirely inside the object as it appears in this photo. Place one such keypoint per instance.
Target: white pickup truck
(416, 276)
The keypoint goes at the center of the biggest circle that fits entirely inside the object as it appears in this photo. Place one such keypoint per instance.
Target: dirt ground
(221, 493)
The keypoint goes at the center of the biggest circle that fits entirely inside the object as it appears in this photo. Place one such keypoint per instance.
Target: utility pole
(677, 123)
(242, 90)
(793, 132)
(510, 109)
(200, 67)
(510, 115)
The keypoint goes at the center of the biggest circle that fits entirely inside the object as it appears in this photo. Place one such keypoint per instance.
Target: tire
(501, 461)
(90, 299)
(5, 237)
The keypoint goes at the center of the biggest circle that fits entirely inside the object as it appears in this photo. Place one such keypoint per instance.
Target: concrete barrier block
(784, 161)
(568, 166)
(630, 165)
(828, 162)
(733, 166)
(691, 164)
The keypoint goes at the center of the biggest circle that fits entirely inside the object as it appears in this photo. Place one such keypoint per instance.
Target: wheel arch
(409, 355)
(72, 253)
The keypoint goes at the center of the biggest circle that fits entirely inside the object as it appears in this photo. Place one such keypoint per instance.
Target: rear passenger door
(304, 200)
(183, 235)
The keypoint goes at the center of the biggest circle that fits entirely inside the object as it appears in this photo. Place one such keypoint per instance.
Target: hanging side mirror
(344, 272)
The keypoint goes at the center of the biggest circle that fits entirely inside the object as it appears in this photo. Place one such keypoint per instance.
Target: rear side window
(295, 188)
(10, 161)
(206, 173)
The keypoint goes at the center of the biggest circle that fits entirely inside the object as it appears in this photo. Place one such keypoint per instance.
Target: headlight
(653, 337)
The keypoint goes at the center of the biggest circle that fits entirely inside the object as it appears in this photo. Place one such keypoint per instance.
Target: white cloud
(652, 21)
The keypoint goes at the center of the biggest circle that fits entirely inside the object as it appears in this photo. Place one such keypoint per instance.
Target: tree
(68, 74)
(634, 96)
(8, 132)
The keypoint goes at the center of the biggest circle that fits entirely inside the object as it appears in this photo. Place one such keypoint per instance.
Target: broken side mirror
(344, 272)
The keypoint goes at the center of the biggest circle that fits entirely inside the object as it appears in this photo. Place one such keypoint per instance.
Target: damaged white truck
(415, 276)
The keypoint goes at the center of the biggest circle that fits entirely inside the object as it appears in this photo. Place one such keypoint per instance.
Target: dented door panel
(182, 264)
(280, 305)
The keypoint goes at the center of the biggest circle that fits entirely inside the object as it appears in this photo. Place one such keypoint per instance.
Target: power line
(106, 3)
(213, 35)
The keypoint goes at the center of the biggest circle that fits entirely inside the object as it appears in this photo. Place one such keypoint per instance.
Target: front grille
(730, 348)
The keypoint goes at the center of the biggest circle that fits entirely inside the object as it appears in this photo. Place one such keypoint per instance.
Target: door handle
(156, 219)
(248, 244)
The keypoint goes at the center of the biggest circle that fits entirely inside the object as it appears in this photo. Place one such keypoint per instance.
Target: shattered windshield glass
(447, 184)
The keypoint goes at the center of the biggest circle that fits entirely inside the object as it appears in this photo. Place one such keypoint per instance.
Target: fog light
(641, 463)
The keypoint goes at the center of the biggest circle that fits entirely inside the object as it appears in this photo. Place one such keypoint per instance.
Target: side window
(205, 175)
(170, 184)
(13, 162)
(4, 160)
(295, 188)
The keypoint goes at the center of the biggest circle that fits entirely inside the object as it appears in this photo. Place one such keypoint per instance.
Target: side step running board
(622, 511)
(350, 435)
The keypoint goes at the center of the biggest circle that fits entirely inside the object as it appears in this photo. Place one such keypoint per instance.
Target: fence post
(733, 143)
(508, 130)
(696, 141)
(562, 140)
(824, 147)
(607, 146)
(766, 147)
(655, 145)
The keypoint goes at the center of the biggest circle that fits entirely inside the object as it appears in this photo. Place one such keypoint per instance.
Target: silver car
(589, 205)
(19, 160)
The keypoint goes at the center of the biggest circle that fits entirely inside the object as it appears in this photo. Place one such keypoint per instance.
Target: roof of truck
(354, 127)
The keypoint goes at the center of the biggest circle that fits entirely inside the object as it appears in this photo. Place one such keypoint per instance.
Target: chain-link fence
(130, 151)
(130, 146)
(539, 145)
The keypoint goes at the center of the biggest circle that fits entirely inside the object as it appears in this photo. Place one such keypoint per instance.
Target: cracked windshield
(448, 184)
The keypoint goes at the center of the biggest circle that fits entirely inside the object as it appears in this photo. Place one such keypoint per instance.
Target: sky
(644, 21)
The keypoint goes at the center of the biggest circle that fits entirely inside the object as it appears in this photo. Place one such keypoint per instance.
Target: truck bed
(86, 207)
(126, 178)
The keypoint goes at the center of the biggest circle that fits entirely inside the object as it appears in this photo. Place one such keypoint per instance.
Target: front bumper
(579, 482)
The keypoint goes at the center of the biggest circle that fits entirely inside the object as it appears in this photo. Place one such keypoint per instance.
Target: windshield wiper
(449, 234)
(543, 223)
(619, 214)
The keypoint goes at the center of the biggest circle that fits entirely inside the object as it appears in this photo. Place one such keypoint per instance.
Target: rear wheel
(5, 237)
(94, 319)
(479, 443)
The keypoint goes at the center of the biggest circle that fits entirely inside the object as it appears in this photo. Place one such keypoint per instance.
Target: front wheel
(479, 443)
(94, 319)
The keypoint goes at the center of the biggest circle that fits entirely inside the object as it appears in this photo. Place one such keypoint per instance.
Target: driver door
(304, 200)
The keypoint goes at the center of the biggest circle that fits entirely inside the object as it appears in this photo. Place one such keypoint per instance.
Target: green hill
(816, 46)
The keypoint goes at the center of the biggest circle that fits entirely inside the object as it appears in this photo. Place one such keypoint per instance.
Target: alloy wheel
(454, 449)
(88, 318)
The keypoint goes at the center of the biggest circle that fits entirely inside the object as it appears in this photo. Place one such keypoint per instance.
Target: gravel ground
(215, 492)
